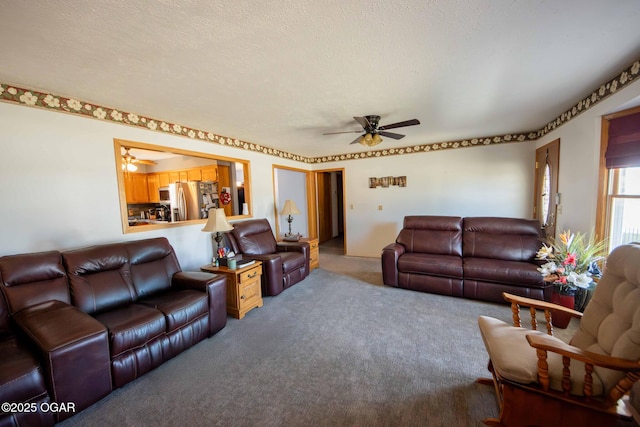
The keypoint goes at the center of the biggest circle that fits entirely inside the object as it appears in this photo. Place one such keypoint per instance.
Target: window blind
(623, 149)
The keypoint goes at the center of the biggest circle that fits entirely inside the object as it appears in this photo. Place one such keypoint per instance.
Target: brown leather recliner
(283, 263)
(45, 342)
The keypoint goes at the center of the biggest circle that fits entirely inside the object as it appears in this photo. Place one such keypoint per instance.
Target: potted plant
(571, 265)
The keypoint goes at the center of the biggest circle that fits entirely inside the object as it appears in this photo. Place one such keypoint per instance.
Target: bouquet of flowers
(572, 261)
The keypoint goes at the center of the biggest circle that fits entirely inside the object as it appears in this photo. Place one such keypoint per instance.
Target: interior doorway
(330, 206)
(546, 197)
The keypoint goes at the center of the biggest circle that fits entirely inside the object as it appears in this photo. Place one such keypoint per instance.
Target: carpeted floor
(334, 350)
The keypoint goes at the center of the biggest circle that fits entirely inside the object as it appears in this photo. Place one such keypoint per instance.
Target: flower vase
(566, 299)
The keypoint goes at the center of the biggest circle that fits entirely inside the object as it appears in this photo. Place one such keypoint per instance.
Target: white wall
(59, 188)
(579, 159)
(479, 181)
(292, 185)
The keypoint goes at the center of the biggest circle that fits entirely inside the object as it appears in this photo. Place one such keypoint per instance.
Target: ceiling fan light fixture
(370, 140)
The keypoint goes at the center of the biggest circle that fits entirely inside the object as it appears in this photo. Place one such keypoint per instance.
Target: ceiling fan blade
(411, 122)
(363, 122)
(356, 141)
(391, 135)
(347, 131)
(145, 162)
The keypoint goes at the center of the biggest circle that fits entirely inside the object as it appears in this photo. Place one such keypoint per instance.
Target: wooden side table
(314, 253)
(244, 291)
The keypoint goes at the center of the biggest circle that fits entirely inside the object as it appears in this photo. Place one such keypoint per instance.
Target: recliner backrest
(254, 237)
(509, 239)
(611, 322)
(99, 277)
(441, 235)
(30, 279)
(153, 264)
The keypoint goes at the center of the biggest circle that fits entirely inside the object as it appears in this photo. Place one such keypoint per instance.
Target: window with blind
(621, 147)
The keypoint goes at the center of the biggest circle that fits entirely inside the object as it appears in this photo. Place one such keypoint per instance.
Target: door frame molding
(555, 191)
(344, 205)
(310, 184)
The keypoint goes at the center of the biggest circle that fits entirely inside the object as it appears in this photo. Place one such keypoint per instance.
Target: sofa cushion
(501, 271)
(179, 308)
(514, 359)
(21, 378)
(132, 326)
(437, 265)
(30, 279)
(440, 235)
(153, 264)
(99, 277)
(511, 239)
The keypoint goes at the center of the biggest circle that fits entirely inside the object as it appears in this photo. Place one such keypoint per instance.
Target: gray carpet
(332, 350)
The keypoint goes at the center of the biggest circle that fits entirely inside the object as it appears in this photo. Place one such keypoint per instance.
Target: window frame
(608, 179)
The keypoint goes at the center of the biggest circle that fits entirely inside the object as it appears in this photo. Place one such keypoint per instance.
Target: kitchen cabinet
(153, 186)
(194, 175)
(174, 177)
(163, 180)
(136, 188)
(209, 173)
(225, 181)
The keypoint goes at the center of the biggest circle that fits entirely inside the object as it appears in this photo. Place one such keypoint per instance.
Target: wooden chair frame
(537, 404)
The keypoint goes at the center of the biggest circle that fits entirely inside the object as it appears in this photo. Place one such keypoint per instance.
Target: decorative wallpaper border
(32, 98)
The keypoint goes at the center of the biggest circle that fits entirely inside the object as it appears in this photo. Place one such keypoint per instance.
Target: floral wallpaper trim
(33, 98)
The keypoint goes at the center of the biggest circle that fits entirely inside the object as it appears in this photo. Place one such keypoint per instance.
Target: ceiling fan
(129, 161)
(372, 132)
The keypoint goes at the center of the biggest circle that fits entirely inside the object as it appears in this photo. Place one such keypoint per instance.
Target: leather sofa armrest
(390, 255)
(74, 350)
(272, 280)
(215, 285)
(293, 247)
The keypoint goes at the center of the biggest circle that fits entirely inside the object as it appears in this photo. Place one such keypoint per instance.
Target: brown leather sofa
(283, 263)
(474, 257)
(78, 324)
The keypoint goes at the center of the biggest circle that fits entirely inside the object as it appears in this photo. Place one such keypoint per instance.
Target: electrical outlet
(559, 209)
(351, 206)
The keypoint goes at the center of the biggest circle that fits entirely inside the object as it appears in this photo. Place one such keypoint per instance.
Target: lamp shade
(290, 208)
(217, 222)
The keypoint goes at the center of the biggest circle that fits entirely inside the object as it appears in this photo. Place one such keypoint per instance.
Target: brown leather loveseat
(474, 257)
(76, 325)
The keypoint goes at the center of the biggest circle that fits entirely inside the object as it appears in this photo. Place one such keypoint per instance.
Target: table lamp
(217, 223)
(290, 209)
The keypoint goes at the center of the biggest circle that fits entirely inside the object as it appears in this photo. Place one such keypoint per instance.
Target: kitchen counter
(136, 222)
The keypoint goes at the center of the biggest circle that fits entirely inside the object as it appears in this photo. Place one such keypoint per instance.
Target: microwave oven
(164, 195)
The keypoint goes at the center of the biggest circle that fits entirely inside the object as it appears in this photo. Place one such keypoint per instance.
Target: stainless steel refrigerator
(192, 200)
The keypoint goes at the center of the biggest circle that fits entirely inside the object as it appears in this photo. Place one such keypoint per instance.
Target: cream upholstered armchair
(542, 381)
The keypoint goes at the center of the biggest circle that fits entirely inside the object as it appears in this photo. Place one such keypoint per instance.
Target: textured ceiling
(280, 73)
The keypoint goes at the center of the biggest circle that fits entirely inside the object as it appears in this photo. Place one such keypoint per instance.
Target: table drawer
(251, 274)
